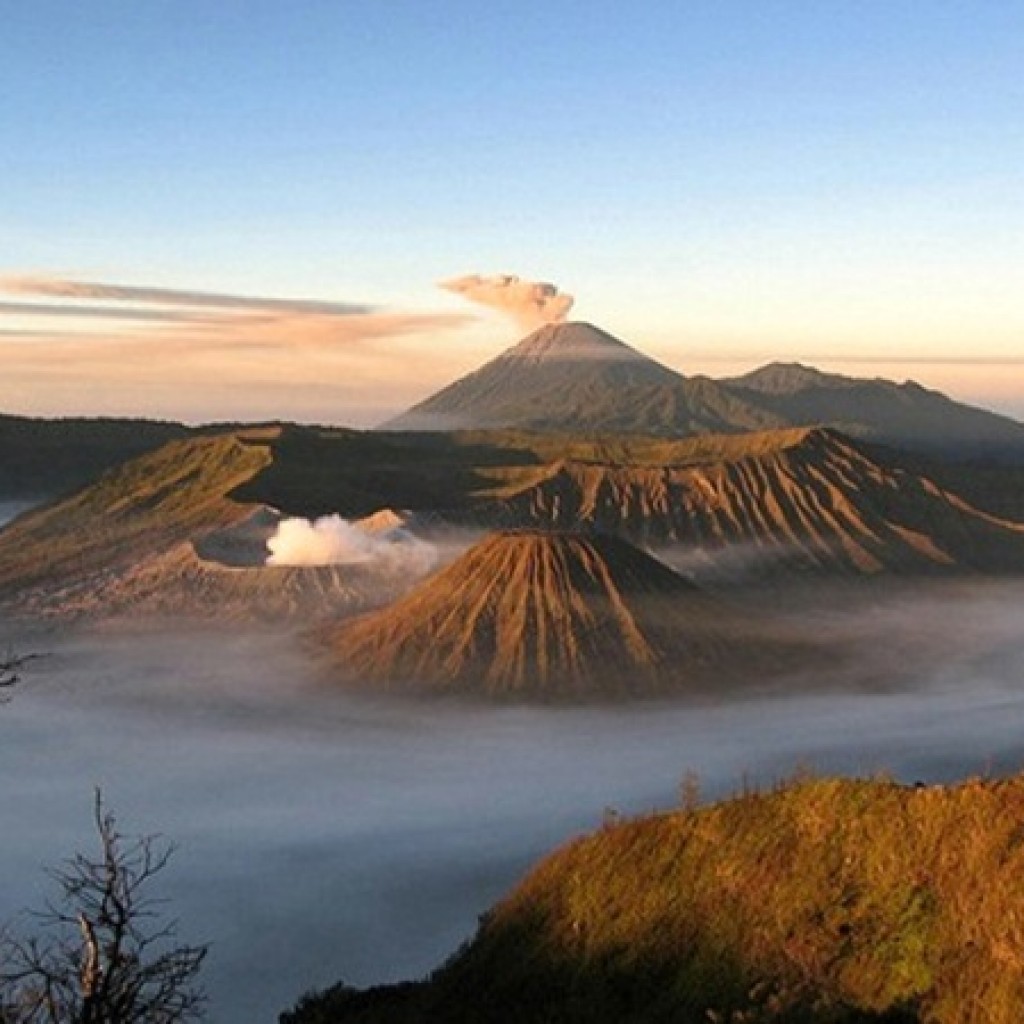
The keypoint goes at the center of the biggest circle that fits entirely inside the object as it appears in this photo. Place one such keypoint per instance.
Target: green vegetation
(823, 901)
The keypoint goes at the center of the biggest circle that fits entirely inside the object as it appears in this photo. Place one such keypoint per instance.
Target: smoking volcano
(566, 376)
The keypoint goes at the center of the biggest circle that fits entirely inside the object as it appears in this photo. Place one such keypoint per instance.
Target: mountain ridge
(575, 377)
(776, 505)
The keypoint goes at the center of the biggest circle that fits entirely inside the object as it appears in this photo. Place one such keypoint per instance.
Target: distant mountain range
(574, 377)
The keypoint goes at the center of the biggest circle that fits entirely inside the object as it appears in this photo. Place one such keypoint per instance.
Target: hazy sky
(720, 183)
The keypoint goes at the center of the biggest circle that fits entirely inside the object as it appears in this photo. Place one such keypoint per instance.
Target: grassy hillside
(825, 900)
(42, 458)
(147, 504)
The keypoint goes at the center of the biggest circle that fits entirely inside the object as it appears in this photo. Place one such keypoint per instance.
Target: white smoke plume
(332, 540)
(530, 303)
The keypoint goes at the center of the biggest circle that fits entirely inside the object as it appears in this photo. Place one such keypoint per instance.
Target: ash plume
(531, 303)
(332, 540)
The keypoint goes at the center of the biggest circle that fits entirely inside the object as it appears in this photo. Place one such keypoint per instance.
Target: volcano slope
(803, 500)
(778, 504)
(559, 617)
(167, 534)
(576, 377)
(824, 901)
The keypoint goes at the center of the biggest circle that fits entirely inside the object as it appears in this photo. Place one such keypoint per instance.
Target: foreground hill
(575, 377)
(824, 901)
(551, 617)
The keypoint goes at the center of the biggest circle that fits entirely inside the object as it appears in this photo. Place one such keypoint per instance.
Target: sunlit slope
(551, 616)
(146, 504)
(135, 543)
(826, 901)
(806, 499)
(799, 500)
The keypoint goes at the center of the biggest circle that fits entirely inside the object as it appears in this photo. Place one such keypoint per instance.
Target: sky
(244, 208)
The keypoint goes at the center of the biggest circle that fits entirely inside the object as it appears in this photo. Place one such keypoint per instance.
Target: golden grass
(825, 901)
(863, 895)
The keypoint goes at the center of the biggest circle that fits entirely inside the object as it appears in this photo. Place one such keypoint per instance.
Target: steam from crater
(332, 540)
(531, 303)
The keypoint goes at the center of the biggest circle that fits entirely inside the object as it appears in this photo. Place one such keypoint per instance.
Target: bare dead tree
(11, 665)
(103, 952)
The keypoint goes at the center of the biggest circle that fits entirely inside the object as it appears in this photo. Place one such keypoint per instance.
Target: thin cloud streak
(206, 355)
(210, 321)
(48, 309)
(889, 360)
(63, 288)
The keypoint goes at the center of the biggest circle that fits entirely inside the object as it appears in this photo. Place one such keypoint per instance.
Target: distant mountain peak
(573, 377)
(781, 378)
(561, 376)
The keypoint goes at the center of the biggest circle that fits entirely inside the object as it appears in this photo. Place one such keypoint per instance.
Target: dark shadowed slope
(547, 616)
(904, 415)
(41, 458)
(824, 902)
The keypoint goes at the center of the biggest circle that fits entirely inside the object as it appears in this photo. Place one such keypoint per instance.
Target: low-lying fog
(9, 509)
(324, 836)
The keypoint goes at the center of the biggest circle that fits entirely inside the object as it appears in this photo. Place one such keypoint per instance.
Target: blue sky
(719, 183)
